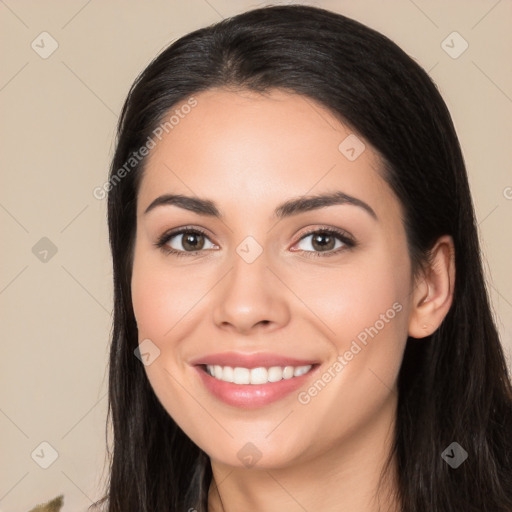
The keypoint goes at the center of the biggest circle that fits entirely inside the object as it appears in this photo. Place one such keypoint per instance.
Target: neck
(343, 479)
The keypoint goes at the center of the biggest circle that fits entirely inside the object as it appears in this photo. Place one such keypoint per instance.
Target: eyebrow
(291, 207)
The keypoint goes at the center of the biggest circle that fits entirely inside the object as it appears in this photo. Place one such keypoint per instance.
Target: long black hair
(453, 385)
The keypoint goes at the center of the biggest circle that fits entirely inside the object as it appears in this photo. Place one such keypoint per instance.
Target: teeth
(256, 375)
(240, 376)
(228, 374)
(275, 373)
(300, 370)
(288, 372)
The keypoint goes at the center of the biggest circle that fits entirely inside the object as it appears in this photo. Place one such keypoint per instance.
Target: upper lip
(262, 359)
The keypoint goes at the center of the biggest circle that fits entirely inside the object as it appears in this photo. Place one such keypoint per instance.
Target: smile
(250, 388)
(254, 376)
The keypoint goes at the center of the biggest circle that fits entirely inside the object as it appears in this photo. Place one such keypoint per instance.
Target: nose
(251, 298)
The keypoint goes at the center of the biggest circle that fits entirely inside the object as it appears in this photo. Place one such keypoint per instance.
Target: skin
(249, 153)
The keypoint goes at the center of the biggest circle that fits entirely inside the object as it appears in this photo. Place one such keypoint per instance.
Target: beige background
(57, 123)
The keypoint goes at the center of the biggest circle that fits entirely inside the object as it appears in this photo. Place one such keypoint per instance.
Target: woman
(301, 320)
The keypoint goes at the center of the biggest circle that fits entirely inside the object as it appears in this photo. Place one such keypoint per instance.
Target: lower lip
(249, 396)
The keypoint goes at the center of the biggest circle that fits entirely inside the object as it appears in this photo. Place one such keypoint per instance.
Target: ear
(433, 293)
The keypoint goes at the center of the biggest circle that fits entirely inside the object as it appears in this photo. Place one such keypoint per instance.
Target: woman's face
(267, 280)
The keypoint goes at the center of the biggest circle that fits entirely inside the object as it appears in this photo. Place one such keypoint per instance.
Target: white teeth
(228, 374)
(301, 370)
(275, 374)
(288, 372)
(256, 375)
(241, 376)
(259, 376)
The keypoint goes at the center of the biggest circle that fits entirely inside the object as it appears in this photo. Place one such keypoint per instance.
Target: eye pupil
(319, 239)
(188, 240)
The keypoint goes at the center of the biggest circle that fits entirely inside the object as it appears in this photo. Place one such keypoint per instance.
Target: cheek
(160, 296)
(161, 300)
(364, 307)
(357, 297)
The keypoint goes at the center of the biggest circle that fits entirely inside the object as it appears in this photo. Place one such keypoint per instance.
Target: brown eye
(192, 241)
(327, 241)
(184, 241)
(323, 241)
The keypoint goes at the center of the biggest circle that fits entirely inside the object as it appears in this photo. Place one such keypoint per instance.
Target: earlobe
(433, 294)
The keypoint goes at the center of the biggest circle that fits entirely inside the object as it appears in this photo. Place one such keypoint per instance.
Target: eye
(324, 241)
(188, 241)
(183, 241)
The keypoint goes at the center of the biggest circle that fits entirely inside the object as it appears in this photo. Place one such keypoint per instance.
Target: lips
(253, 395)
(263, 359)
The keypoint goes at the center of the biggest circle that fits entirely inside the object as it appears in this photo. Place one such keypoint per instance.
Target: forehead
(250, 151)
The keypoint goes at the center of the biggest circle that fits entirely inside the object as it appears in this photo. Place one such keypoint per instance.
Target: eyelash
(348, 242)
